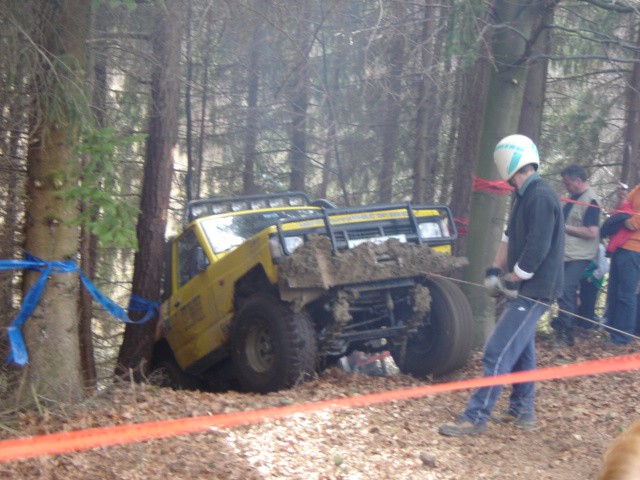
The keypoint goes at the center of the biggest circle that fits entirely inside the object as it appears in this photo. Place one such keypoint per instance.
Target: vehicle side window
(191, 257)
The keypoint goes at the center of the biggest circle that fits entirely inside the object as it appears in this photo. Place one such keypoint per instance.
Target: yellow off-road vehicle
(265, 290)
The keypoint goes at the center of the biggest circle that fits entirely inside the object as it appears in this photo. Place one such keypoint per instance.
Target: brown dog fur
(622, 458)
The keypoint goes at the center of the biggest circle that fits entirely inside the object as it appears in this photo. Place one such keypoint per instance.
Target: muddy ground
(577, 419)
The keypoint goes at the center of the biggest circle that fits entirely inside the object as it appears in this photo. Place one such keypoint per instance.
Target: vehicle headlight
(430, 230)
(290, 243)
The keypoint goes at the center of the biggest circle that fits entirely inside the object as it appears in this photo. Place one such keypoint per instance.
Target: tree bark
(530, 123)
(469, 113)
(88, 241)
(390, 127)
(203, 117)
(13, 178)
(422, 112)
(251, 136)
(191, 166)
(439, 92)
(631, 153)
(51, 334)
(158, 168)
(515, 24)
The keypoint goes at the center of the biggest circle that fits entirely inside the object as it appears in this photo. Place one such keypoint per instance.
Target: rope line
(590, 320)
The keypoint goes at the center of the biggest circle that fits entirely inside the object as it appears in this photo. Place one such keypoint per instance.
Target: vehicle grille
(342, 236)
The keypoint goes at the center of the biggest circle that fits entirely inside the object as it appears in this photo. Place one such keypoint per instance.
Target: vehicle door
(192, 306)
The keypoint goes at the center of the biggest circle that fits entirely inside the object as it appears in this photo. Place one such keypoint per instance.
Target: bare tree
(395, 60)
(300, 103)
(253, 86)
(631, 153)
(166, 38)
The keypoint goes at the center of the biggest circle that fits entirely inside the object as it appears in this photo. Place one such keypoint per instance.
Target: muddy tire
(271, 346)
(445, 339)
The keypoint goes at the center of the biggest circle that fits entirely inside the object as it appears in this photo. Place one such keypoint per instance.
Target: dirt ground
(577, 419)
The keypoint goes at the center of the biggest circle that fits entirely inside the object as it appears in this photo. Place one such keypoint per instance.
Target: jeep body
(267, 289)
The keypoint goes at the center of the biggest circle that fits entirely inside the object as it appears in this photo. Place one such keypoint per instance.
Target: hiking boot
(462, 427)
(565, 335)
(507, 417)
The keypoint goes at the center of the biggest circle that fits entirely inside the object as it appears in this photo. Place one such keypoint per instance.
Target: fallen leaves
(577, 418)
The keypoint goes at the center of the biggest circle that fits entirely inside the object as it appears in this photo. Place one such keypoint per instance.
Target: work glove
(493, 282)
(497, 284)
(510, 289)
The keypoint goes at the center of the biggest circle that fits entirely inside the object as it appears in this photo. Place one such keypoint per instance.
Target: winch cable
(589, 320)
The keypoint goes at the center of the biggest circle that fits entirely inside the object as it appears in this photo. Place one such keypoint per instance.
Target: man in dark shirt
(531, 251)
(582, 220)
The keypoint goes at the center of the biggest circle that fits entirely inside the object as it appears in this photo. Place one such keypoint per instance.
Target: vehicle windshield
(230, 231)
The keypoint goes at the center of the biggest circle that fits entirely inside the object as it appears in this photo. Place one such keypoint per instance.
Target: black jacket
(536, 240)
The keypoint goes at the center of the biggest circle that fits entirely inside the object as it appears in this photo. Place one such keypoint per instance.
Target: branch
(620, 6)
(102, 36)
(605, 39)
(586, 57)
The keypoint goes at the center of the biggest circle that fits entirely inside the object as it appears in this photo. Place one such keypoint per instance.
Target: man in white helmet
(531, 251)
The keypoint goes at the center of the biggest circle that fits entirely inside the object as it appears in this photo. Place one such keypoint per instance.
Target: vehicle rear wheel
(444, 341)
(271, 346)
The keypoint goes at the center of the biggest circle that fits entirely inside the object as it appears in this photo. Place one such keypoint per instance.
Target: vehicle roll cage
(329, 229)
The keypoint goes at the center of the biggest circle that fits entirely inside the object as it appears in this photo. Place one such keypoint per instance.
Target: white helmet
(514, 152)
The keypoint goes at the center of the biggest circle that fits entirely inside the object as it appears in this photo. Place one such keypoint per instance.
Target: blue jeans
(568, 301)
(624, 275)
(510, 348)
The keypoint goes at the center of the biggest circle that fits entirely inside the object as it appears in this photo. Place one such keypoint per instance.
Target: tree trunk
(88, 241)
(13, 178)
(439, 92)
(422, 112)
(501, 115)
(299, 105)
(332, 145)
(530, 123)
(51, 334)
(203, 117)
(163, 129)
(191, 167)
(251, 136)
(631, 153)
(390, 127)
(469, 112)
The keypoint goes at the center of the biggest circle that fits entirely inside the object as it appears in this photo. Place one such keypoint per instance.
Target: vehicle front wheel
(271, 346)
(445, 338)
(167, 373)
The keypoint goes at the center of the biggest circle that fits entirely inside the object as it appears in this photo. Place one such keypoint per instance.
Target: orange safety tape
(502, 187)
(78, 440)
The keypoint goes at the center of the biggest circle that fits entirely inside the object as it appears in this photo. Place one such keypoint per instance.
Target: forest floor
(577, 419)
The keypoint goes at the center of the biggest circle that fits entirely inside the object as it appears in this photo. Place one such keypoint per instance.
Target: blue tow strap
(18, 353)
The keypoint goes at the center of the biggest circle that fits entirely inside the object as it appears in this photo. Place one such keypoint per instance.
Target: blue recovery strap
(18, 350)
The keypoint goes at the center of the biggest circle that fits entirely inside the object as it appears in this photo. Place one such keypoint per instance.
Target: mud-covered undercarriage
(371, 317)
(375, 297)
